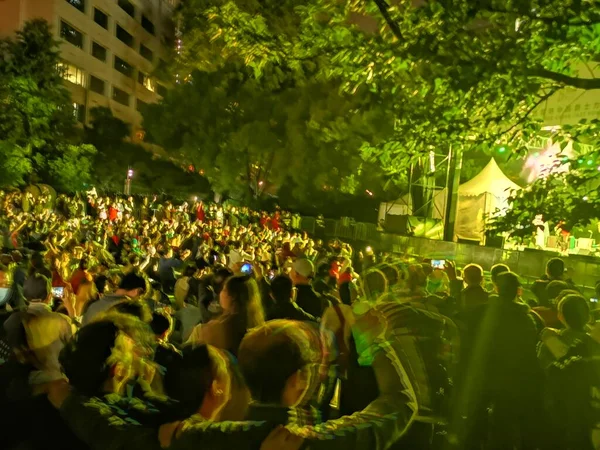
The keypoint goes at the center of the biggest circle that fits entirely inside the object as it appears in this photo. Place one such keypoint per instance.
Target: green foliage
(38, 137)
(449, 73)
(116, 155)
(248, 136)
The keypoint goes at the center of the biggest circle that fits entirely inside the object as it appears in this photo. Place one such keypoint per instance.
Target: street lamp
(127, 190)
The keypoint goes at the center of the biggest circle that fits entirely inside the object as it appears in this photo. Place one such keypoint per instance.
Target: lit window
(71, 73)
(70, 34)
(79, 4)
(146, 81)
(79, 112)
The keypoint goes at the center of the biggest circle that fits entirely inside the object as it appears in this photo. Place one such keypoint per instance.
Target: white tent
(483, 196)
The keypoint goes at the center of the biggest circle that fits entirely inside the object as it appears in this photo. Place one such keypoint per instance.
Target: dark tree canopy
(38, 137)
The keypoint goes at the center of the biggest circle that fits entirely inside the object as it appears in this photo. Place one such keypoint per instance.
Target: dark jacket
(384, 421)
(310, 301)
(289, 310)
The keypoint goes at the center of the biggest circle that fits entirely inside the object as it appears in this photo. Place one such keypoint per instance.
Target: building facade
(110, 49)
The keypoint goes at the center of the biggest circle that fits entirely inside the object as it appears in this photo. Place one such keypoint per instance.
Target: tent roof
(491, 179)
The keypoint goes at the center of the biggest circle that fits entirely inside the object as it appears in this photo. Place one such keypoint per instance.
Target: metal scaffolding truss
(436, 179)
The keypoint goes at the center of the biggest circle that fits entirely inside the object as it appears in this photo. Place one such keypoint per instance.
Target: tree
(567, 192)
(116, 155)
(38, 137)
(451, 73)
(248, 135)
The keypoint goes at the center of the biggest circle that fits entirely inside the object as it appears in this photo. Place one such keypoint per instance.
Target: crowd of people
(139, 324)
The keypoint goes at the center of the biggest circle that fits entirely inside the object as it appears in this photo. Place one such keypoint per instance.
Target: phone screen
(594, 300)
(246, 269)
(58, 292)
(438, 263)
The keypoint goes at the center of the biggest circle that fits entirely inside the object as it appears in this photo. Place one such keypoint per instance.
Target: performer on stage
(542, 231)
(563, 234)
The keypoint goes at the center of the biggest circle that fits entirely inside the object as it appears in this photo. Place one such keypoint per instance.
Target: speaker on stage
(494, 240)
(397, 224)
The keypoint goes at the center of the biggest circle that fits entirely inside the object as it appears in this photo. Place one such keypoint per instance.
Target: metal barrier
(528, 264)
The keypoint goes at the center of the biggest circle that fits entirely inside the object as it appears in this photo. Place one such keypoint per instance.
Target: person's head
(280, 362)
(473, 275)
(241, 295)
(189, 270)
(574, 312)
(132, 285)
(555, 288)
(17, 256)
(4, 285)
(83, 264)
(161, 325)
(508, 286)
(105, 354)
(37, 288)
(555, 269)
(302, 271)
(374, 284)
(135, 308)
(36, 262)
(496, 270)
(220, 276)
(206, 380)
(282, 289)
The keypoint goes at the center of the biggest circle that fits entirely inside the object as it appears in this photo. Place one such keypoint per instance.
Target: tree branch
(587, 84)
(383, 9)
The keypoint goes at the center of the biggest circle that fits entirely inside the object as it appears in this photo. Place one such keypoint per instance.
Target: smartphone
(594, 300)
(246, 269)
(271, 275)
(58, 292)
(438, 263)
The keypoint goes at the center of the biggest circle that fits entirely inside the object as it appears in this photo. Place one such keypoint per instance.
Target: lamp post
(127, 190)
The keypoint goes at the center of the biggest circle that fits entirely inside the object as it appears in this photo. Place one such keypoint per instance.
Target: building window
(97, 85)
(79, 112)
(100, 18)
(70, 34)
(128, 7)
(146, 53)
(79, 4)
(71, 73)
(120, 96)
(98, 52)
(146, 81)
(161, 90)
(123, 67)
(140, 104)
(147, 25)
(124, 36)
